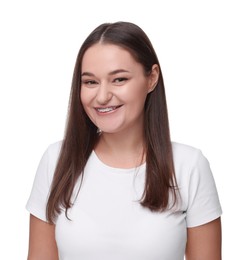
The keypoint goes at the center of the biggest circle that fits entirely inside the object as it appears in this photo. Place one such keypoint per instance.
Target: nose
(104, 94)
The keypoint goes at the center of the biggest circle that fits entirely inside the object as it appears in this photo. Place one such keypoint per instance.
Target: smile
(107, 109)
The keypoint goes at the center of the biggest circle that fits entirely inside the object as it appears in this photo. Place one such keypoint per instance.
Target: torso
(107, 221)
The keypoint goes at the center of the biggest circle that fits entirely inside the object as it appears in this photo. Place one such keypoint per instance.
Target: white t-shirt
(108, 223)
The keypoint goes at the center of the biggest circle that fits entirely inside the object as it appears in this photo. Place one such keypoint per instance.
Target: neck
(121, 150)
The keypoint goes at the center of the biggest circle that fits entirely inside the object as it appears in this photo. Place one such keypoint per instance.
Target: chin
(110, 130)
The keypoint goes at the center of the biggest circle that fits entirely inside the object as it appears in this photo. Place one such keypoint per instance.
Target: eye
(89, 82)
(119, 81)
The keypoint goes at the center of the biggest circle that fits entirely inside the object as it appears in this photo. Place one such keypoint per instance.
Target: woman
(116, 187)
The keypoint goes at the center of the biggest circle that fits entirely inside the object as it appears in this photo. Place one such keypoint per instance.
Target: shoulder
(42, 182)
(196, 183)
(189, 161)
(49, 159)
(183, 153)
(53, 150)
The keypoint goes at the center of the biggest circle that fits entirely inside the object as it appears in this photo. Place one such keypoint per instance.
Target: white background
(203, 47)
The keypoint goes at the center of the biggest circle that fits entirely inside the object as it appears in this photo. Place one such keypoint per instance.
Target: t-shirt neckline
(116, 169)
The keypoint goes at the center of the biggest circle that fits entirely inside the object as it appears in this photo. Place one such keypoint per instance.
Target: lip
(107, 109)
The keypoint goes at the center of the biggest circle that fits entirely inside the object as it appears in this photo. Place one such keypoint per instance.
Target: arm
(42, 243)
(204, 242)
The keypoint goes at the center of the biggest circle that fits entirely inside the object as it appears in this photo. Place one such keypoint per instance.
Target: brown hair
(81, 134)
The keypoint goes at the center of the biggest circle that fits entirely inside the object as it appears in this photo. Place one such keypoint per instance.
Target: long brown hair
(81, 134)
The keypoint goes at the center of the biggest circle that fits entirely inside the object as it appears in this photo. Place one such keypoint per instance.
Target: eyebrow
(111, 73)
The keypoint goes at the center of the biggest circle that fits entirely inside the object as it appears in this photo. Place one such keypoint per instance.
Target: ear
(153, 77)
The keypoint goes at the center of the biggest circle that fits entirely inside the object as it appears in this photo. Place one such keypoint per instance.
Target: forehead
(103, 55)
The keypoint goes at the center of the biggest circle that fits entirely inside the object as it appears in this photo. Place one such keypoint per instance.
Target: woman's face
(114, 88)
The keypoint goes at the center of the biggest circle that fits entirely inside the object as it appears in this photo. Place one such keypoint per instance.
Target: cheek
(85, 101)
(137, 91)
(85, 98)
(138, 95)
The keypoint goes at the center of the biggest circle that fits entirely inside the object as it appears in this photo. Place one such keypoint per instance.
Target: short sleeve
(37, 201)
(203, 202)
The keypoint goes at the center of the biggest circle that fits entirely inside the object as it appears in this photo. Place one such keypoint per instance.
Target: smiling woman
(116, 187)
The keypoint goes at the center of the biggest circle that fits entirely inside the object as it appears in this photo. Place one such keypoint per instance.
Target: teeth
(106, 109)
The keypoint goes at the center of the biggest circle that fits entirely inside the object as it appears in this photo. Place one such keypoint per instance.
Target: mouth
(104, 110)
